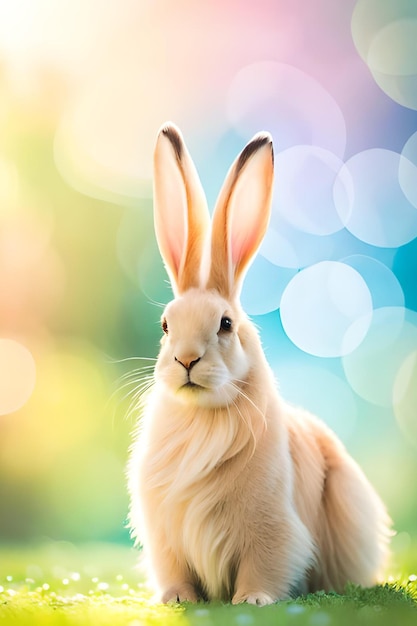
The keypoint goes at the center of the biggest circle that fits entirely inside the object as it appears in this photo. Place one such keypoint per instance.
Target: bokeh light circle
(377, 212)
(407, 172)
(18, 375)
(383, 284)
(279, 249)
(103, 147)
(326, 309)
(405, 397)
(308, 206)
(401, 89)
(385, 35)
(292, 105)
(263, 286)
(394, 49)
(152, 276)
(372, 368)
(286, 246)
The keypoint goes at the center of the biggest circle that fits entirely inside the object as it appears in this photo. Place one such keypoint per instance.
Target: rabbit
(235, 494)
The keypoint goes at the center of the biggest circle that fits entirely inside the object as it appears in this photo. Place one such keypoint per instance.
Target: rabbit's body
(236, 495)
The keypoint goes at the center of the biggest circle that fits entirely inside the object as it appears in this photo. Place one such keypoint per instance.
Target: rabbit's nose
(188, 362)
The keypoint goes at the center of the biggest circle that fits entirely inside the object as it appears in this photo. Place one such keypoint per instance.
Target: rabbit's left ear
(241, 215)
(181, 216)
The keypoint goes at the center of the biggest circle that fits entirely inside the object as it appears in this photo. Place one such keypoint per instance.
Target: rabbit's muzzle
(187, 362)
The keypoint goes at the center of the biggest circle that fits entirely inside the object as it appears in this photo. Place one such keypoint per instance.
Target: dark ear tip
(260, 140)
(173, 134)
(169, 127)
(257, 142)
(265, 139)
(262, 137)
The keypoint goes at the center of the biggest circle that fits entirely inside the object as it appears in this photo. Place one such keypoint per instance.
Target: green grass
(62, 585)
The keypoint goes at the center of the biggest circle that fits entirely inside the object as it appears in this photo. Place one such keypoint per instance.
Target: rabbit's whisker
(131, 358)
(247, 398)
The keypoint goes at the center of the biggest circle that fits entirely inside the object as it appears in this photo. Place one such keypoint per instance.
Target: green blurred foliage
(70, 302)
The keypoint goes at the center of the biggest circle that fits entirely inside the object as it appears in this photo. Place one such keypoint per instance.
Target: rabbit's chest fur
(198, 474)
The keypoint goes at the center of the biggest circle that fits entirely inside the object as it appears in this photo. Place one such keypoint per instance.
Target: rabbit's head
(209, 347)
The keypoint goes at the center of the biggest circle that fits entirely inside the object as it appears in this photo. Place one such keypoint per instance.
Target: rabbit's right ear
(180, 209)
(241, 215)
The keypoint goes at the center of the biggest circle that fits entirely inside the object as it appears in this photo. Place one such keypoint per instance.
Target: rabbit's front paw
(259, 598)
(180, 593)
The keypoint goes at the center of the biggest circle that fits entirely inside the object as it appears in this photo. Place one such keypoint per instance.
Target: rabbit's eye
(164, 326)
(226, 324)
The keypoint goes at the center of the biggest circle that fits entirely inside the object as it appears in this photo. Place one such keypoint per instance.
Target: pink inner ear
(240, 244)
(170, 214)
(248, 216)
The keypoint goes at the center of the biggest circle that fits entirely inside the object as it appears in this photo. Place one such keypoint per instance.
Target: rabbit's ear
(241, 215)
(180, 209)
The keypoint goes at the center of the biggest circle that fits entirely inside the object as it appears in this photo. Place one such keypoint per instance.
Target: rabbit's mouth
(206, 396)
(191, 385)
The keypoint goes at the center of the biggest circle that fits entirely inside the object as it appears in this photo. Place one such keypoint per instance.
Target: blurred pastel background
(84, 87)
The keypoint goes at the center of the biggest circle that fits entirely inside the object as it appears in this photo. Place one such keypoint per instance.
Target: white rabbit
(235, 494)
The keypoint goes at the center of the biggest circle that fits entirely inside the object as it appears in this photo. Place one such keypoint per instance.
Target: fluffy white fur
(234, 494)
